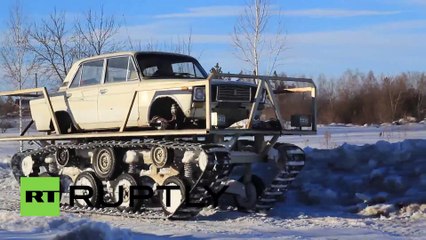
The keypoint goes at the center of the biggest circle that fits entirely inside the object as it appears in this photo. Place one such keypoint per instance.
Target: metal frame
(263, 83)
(43, 90)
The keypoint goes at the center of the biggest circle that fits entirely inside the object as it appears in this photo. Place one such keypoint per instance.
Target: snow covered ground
(347, 190)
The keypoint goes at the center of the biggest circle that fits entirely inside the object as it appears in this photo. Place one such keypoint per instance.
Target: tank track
(217, 170)
(276, 191)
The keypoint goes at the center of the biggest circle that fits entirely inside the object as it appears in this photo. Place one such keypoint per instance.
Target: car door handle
(103, 91)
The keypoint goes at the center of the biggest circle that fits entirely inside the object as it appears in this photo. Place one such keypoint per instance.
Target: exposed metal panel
(151, 133)
(244, 157)
(243, 132)
(22, 92)
(100, 135)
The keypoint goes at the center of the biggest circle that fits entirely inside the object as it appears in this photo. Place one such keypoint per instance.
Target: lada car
(98, 92)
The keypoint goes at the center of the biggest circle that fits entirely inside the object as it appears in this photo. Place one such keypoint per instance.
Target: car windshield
(158, 65)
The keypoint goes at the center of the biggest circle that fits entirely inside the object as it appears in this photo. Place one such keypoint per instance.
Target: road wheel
(88, 179)
(126, 181)
(105, 163)
(251, 197)
(176, 197)
(161, 156)
(254, 190)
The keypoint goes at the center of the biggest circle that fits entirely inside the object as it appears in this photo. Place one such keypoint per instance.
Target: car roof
(117, 54)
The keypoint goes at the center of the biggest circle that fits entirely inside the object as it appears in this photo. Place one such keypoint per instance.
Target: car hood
(213, 81)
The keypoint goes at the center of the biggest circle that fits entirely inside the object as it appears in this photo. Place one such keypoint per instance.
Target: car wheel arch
(169, 100)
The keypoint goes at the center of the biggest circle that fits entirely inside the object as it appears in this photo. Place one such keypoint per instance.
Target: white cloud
(336, 13)
(166, 31)
(418, 2)
(392, 46)
(400, 25)
(381, 50)
(210, 11)
(229, 11)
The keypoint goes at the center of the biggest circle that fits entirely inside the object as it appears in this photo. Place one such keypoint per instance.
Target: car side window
(116, 69)
(91, 73)
(120, 69)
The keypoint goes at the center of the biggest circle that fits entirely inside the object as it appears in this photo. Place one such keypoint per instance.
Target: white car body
(104, 105)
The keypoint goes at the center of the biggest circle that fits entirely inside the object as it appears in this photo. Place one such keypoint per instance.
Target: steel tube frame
(121, 133)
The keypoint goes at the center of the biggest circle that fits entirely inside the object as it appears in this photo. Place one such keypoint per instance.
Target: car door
(83, 93)
(116, 93)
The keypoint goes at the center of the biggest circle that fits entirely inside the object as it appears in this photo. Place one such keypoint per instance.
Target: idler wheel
(105, 163)
(63, 157)
(161, 156)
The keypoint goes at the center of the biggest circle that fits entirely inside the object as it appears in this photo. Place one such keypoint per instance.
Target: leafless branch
(97, 32)
(251, 39)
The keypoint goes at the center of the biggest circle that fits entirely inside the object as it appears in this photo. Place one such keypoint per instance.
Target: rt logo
(40, 196)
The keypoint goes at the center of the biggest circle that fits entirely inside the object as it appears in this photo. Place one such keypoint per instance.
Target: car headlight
(199, 94)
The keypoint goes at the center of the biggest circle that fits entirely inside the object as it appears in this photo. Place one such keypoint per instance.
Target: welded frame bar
(273, 100)
(22, 92)
(264, 84)
(52, 113)
(267, 80)
(288, 79)
(153, 133)
(132, 102)
(314, 109)
(26, 128)
(269, 145)
(43, 90)
(255, 105)
(208, 101)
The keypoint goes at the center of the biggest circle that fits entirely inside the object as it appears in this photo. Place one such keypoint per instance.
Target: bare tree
(52, 45)
(97, 31)
(421, 93)
(394, 89)
(57, 46)
(181, 45)
(17, 62)
(252, 40)
(326, 99)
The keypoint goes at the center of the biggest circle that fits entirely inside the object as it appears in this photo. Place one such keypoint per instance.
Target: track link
(295, 162)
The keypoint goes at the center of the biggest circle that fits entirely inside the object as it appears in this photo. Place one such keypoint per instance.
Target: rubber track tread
(284, 178)
(217, 168)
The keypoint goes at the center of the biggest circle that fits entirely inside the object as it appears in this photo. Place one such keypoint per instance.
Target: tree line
(361, 98)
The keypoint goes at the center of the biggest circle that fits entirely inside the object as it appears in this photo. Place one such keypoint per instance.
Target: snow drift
(381, 179)
(370, 179)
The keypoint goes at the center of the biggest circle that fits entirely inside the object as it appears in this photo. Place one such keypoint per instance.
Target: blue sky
(386, 36)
